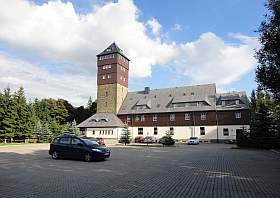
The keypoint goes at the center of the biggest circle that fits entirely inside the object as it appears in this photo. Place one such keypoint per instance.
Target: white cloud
(177, 27)
(40, 83)
(55, 31)
(155, 26)
(210, 59)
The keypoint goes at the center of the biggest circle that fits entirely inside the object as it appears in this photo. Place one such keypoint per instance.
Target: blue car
(73, 147)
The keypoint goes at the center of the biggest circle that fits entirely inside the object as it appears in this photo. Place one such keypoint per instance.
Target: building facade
(187, 111)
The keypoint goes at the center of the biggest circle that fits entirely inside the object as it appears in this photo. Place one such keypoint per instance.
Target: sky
(50, 47)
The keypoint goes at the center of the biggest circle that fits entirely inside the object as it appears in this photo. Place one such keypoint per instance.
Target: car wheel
(55, 155)
(87, 157)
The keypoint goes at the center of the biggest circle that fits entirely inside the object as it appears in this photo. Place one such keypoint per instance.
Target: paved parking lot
(209, 170)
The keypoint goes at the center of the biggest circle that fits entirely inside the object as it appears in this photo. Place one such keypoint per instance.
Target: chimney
(147, 90)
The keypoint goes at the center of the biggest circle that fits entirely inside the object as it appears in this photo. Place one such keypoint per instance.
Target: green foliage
(71, 128)
(42, 132)
(126, 136)
(43, 118)
(268, 70)
(167, 139)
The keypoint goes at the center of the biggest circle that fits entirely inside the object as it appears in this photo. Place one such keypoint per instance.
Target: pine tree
(74, 127)
(125, 136)
(268, 70)
(9, 122)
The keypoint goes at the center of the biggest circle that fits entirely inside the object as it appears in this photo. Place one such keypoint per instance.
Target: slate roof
(230, 99)
(161, 100)
(112, 49)
(102, 120)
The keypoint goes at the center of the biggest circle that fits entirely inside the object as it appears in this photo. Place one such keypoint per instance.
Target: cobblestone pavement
(209, 170)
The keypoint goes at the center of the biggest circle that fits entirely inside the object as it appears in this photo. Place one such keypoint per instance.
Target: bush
(167, 140)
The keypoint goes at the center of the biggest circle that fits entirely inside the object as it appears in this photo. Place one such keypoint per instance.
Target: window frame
(172, 117)
(238, 115)
(187, 116)
(142, 131)
(203, 116)
(224, 130)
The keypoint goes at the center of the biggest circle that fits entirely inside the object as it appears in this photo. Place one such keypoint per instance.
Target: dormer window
(223, 103)
(237, 102)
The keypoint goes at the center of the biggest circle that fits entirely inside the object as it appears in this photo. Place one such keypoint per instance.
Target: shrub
(167, 139)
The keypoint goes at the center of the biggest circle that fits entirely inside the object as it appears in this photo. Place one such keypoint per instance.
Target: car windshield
(193, 138)
(90, 142)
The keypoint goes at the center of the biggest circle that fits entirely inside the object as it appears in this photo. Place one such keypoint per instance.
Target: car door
(64, 146)
(78, 148)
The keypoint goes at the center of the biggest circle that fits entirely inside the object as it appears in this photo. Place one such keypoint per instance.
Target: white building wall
(106, 135)
(185, 132)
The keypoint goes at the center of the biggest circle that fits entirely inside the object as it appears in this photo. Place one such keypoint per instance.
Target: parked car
(69, 146)
(101, 140)
(139, 139)
(150, 139)
(193, 140)
(230, 141)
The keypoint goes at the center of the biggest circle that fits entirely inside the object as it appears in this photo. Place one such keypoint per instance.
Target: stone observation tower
(112, 79)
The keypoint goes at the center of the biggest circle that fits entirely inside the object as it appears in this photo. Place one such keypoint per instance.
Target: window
(137, 119)
(128, 119)
(121, 77)
(93, 132)
(187, 116)
(155, 131)
(104, 67)
(237, 102)
(223, 103)
(140, 131)
(155, 118)
(203, 116)
(106, 94)
(202, 130)
(109, 66)
(171, 131)
(108, 76)
(142, 118)
(65, 140)
(76, 141)
(103, 77)
(237, 115)
(172, 117)
(226, 133)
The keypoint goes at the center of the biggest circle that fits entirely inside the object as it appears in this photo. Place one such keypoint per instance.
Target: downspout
(193, 124)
